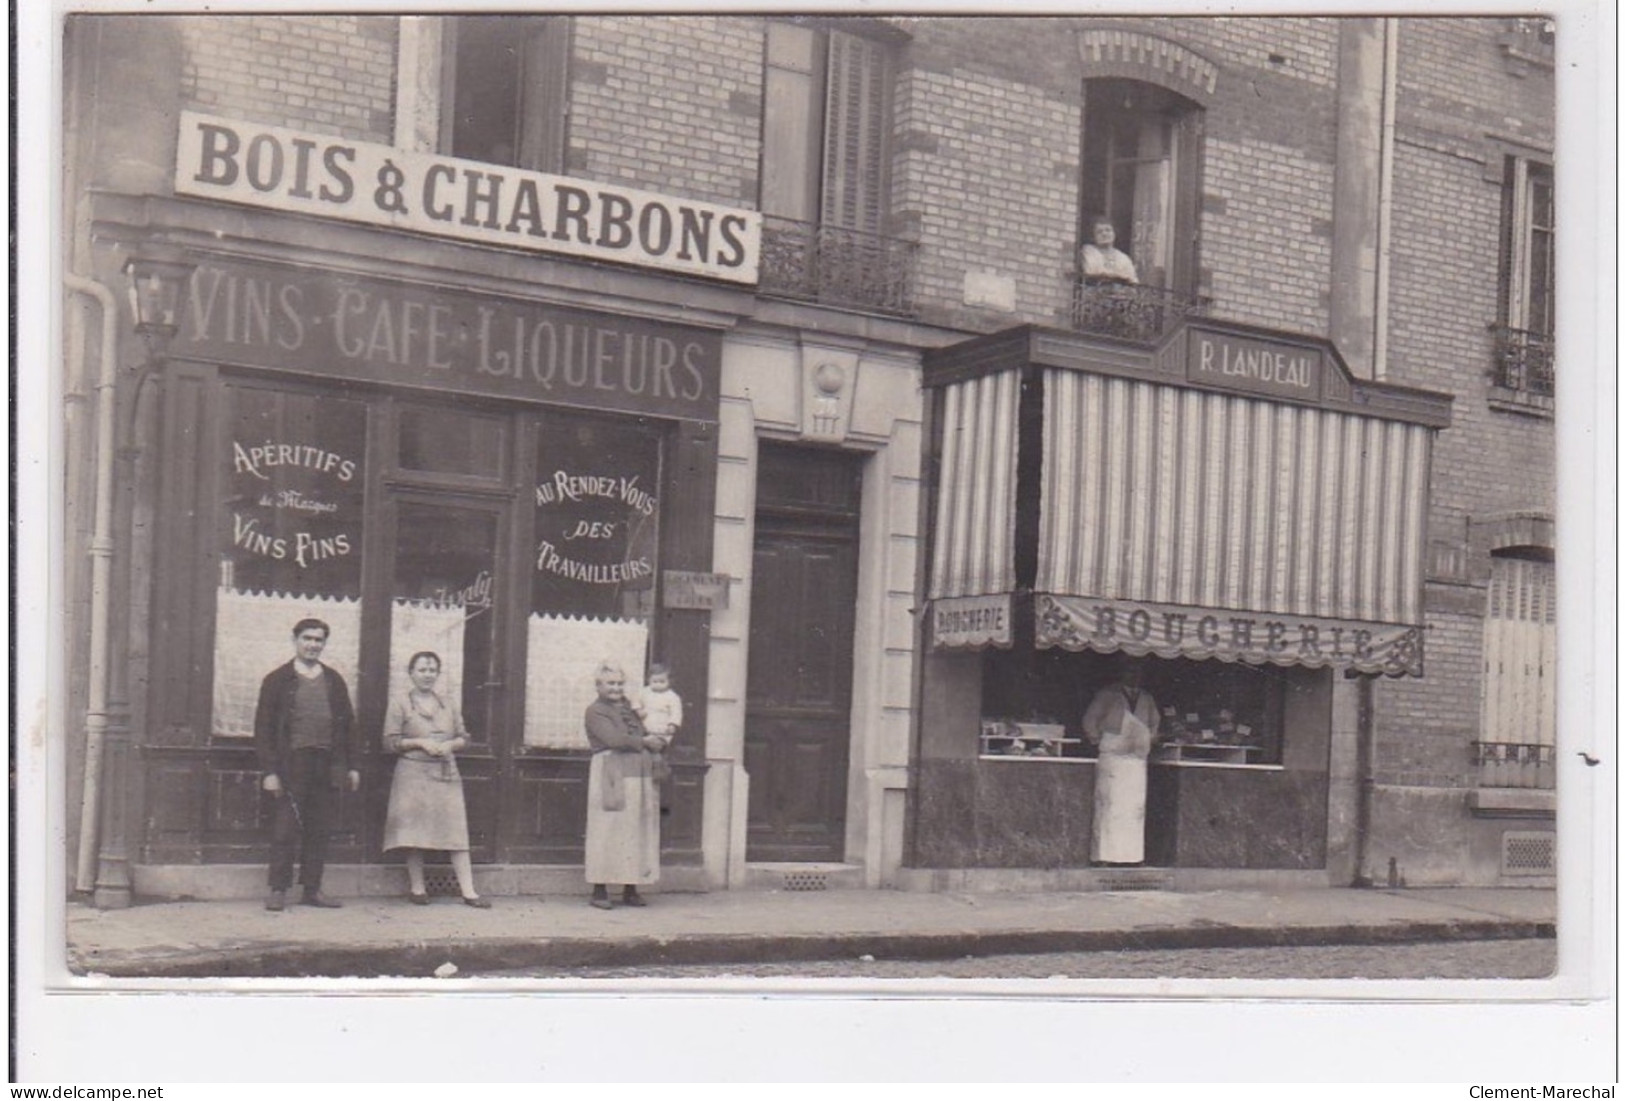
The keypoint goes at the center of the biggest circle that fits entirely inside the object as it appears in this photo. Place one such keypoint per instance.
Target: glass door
(446, 598)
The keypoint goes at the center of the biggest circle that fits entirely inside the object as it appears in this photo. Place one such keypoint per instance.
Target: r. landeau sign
(280, 169)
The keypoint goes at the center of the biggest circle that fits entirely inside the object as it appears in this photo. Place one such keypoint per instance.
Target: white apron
(1119, 821)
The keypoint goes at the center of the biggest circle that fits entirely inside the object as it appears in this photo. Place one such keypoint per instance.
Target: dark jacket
(271, 738)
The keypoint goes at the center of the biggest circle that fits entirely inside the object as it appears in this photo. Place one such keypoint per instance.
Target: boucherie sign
(279, 169)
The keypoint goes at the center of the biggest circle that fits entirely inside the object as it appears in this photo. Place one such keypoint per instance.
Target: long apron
(623, 846)
(1118, 836)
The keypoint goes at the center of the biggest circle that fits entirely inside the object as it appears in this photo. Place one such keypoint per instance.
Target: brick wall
(329, 74)
(1455, 96)
(988, 171)
(988, 161)
(668, 104)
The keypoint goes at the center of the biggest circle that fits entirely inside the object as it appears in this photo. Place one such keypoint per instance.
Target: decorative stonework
(1113, 52)
(828, 377)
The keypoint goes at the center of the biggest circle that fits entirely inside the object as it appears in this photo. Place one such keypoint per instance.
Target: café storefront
(429, 446)
(1233, 510)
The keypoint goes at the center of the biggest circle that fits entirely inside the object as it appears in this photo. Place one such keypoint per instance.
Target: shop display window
(290, 539)
(595, 562)
(1227, 713)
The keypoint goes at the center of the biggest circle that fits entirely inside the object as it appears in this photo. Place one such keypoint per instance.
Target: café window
(1528, 321)
(291, 472)
(1141, 172)
(1220, 712)
(594, 565)
(504, 82)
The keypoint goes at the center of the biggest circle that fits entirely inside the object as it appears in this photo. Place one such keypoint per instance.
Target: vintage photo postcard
(1068, 518)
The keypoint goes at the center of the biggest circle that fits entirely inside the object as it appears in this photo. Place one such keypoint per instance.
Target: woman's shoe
(479, 902)
(417, 899)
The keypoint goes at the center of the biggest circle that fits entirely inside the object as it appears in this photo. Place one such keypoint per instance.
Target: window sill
(1524, 402)
(1512, 803)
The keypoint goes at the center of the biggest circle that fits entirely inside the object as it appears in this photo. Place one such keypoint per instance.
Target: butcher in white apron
(1121, 722)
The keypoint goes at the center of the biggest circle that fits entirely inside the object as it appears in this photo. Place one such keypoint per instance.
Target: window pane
(597, 512)
(442, 601)
(443, 442)
(291, 540)
(485, 104)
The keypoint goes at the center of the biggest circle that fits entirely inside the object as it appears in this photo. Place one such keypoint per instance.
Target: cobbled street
(1491, 959)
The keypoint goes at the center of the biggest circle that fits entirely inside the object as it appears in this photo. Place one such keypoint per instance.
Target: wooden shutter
(1520, 642)
(855, 133)
(544, 88)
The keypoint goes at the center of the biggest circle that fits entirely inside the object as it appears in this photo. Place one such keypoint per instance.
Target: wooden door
(798, 712)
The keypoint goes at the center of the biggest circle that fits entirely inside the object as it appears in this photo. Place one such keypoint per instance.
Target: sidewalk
(374, 937)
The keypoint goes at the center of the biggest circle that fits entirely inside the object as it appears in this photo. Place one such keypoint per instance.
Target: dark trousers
(303, 812)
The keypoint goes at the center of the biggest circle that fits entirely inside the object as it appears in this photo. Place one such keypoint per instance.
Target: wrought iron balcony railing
(1129, 311)
(839, 267)
(1524, 360)
(1515, 765)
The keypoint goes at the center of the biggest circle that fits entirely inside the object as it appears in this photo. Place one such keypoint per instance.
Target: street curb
(488, 954)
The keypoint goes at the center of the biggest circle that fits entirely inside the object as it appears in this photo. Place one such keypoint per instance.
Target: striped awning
(1187, 522)
(974, 529)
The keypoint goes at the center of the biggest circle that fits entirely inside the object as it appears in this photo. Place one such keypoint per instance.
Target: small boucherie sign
(328, 176)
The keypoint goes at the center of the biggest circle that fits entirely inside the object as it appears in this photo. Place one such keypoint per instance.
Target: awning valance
(976, 499)
(1199, 502)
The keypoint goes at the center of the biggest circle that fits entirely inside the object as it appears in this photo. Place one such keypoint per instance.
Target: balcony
(838, 267)
(1129, 311)
(1515, 765)
(1524, 371)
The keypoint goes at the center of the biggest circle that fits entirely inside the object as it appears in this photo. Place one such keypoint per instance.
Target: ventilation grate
(1132, 881)
(806, 881)
(440, 881)
(1528, 853)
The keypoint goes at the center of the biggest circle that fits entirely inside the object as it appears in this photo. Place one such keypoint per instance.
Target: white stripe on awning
(976, 499)
(1172, 496)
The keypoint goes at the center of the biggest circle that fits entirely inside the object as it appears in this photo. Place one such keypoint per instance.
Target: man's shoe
(601, 904)
(276, 901)
(316, 898)
(632, 898)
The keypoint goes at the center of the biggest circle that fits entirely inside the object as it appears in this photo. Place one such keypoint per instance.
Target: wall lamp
(157, 282)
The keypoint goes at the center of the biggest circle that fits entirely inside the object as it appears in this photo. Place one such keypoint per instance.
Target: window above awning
(1233, 494)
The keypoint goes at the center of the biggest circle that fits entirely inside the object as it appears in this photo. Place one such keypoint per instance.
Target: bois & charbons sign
(282, 169)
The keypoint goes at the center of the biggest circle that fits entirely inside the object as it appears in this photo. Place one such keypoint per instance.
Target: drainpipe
(1366, 776)
(101, 566)
(1385, 193)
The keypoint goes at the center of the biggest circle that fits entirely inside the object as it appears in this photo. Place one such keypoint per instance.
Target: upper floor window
(826, 135)
(1140, 174)
(825, 126)
(504, 82)
(1138, 192)
(1528, 322)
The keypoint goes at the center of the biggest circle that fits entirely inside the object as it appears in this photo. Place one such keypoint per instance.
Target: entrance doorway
(444, 597)
(799, 691)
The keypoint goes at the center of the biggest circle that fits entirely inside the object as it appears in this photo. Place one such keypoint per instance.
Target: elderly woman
(623, 802)
(1102, 260)
(426, 810)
